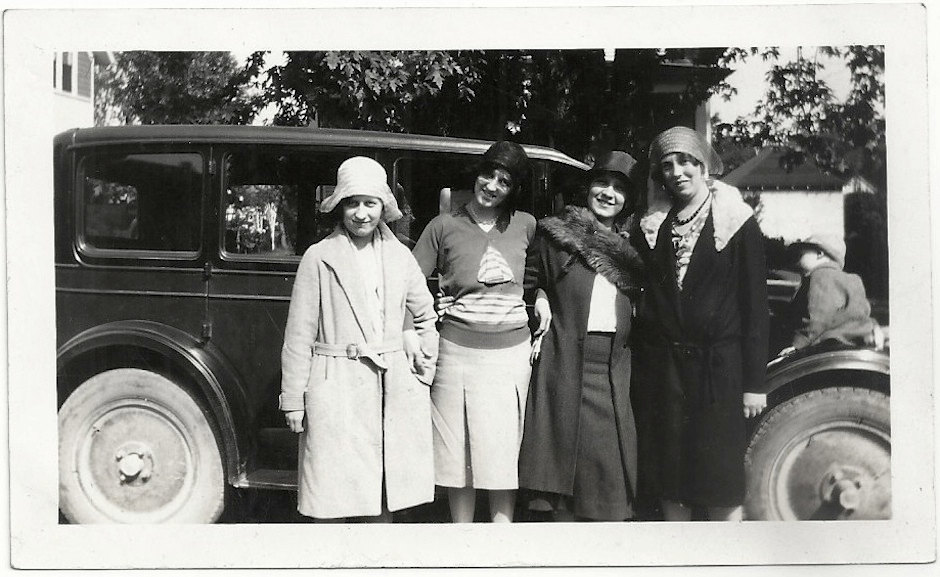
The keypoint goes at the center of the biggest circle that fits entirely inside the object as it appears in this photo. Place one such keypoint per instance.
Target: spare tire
(825, 454)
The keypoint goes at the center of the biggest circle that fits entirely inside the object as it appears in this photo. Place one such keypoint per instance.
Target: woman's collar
(729, 212)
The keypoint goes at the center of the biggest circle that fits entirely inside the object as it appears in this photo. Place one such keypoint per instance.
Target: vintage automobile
(822, 449)
(175, 254)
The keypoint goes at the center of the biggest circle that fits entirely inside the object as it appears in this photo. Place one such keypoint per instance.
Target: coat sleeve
(420, 305)
(303, 321)
(825, 299)
(535, 266)
(754, 308)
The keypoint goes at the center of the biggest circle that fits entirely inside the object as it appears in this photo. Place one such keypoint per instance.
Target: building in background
(795, 201)
(73, 80)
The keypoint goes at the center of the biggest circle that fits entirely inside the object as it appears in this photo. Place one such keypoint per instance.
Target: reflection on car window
(150, 202)
(272, 199)
(420, 180)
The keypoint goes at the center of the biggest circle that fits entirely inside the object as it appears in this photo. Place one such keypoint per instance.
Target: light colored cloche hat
(361, 175)
(831, 244)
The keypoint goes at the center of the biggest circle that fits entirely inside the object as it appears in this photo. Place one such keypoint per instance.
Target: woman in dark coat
(704, 321)
(579, 442)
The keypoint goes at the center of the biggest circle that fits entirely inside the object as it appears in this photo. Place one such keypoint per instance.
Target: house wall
(74, 108)
(794, 214)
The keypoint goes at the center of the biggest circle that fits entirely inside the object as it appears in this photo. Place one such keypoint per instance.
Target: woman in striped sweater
(479, 392)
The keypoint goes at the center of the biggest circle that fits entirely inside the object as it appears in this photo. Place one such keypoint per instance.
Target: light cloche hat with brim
(364, 176)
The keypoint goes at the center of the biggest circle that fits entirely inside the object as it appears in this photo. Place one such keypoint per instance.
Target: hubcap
(839, 470)
(135, 462)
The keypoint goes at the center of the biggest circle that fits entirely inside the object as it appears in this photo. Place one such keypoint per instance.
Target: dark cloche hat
(615, 161)
(510, 156)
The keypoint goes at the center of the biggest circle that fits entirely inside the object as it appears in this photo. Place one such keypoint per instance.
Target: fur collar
(606, 253)
(729, 212)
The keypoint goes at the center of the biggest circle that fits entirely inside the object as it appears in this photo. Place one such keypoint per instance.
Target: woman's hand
(536, 350)
(442, 302)
(418, 359)
(786, 351)
(295, 421)
(543, 312)
(754, 404)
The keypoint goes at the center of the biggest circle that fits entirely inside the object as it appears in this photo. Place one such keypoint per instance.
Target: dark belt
(706, 352)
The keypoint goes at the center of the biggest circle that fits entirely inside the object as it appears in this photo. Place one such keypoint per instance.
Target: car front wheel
(136, 448)
(825, 454)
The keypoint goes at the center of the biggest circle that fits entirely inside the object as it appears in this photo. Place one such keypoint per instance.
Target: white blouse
(602, 317)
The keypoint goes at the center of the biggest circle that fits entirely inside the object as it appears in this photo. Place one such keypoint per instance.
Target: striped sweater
(484, 271)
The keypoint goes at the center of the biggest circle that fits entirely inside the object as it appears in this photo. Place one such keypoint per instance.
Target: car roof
(293, 135)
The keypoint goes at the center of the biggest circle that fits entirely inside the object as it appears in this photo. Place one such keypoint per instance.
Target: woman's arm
(427, 249)
(300, 334)
(755, 313)
(420, 306)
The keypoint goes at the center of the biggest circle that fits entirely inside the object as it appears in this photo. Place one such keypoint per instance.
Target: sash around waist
(357, 351)
(703, 351)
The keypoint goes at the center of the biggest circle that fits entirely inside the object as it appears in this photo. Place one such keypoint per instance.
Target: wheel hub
(844, 487)
(837, 471)
(134, 463)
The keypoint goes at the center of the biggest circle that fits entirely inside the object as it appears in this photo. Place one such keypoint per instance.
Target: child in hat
(830, 303)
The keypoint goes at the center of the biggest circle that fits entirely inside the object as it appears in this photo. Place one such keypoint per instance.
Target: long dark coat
(701, 348)
(565, 265)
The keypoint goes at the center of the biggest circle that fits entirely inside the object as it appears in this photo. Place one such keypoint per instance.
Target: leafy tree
(799, 112)
(174, 88)
(572, 100)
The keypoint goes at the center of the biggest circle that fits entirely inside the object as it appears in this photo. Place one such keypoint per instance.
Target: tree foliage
(174, 88)
(799, 112)
(573, 100)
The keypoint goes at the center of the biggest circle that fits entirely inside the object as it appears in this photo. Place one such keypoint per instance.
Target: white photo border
(38, 541)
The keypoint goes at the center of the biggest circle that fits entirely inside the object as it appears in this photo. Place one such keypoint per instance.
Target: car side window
(271, 201)
(420, 179)
(140, 202)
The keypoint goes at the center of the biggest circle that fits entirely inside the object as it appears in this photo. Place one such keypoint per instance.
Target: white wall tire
(134, 447)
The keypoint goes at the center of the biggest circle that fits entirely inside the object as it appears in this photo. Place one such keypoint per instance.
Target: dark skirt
(600, 482)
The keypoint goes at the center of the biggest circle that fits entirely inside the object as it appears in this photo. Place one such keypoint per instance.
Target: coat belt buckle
(352, 351)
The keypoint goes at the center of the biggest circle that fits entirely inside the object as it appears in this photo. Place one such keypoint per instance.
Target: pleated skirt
(477, 408)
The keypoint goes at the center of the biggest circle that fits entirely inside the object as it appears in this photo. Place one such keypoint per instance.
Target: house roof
(766, 172)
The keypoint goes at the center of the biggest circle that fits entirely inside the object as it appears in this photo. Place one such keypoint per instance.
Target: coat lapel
(340, 258)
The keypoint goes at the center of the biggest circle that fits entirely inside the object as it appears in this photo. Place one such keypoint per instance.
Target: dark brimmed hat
(832, 245)
(509, 156)
(615, 161)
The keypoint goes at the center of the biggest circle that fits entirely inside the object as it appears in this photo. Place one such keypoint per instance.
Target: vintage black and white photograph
(524, 299)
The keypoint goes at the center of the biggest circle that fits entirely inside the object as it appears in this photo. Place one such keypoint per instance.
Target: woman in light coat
(362, 406)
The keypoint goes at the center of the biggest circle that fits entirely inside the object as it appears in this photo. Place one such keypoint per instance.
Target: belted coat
(367, 416)
(699, 348)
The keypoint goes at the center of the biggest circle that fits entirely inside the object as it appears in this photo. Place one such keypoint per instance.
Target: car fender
(791, 368)
(201, 362)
